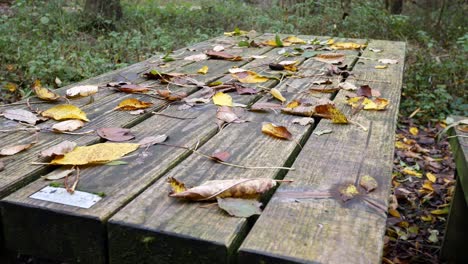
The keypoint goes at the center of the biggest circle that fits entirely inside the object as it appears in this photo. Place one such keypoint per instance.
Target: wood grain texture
(324, 230)
(119, 183)
(157, 228)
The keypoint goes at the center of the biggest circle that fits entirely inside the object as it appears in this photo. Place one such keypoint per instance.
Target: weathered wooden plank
(15, 175)
(297, 229)
(157, 228)
(454, 250)
(120, 184)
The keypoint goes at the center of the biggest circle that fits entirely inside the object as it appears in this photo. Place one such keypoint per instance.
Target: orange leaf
(329, 111)
(44, 93)
(276, 131)
(133, 104)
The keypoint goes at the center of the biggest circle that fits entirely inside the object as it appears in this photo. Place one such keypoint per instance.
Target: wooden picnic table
(133, 220)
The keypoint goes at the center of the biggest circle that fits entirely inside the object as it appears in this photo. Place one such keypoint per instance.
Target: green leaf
(243, 43)
(278, 41)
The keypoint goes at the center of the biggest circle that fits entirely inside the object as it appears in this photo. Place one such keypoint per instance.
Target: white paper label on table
(61, 196)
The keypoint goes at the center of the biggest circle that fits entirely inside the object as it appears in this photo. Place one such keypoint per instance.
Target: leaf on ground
(380, 67)
(222, 99)
(364, 90)
(219, 55)
(164, 77)
(240, 207)
(44, 93)
(58, 150)
(58, 174)
(293, 40)
(304, 121)
(132, 88)
(171, 96)
(322, 132)
(152, 140)
(236, 32)
(431, 177)
(277, 94)
(221, 156)
(95, 154)
(414, 131)
(131, 104)
(410, 171)
(346, 46)
(226, 114)
(368, 104)
(218, 48)
(276, 131)
(327, 81)
(82, 90)
(12, 150)
(197, 57)
(442, 211)
(249, 77)
(348, 192)
(289, 65)
(203, 70)
(297, 107)
(333, 58)
(21, 115)
(375, 50)
(388, 61)
(347, 86)
(68, 125)
(263, 106)
(66, 111)
(368, 183)
(329, 111)
(116, 134)
(394, 213)
(240, 188)
(176, 186)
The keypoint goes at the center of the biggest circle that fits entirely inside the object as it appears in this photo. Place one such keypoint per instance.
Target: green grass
(55, 39)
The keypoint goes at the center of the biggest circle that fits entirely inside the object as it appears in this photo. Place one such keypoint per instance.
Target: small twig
(415, 112)
(462, 136)
(359, 125)
(222, 162)
(75, 133)
(207, 205)
(170, 116)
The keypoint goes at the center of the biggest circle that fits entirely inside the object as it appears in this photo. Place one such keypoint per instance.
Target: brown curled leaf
(276, 131)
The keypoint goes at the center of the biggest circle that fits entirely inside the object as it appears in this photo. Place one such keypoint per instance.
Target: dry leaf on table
(131, 104)
(82, 90)
(304, 121)
(347, 46)
(226, 114)
(368, 104)
(171, 96)
(249, 77)
(277, 94)
(116, 134)
(152, 140)
(66, 111)
(12, 150)
(58, 150)
(196, 57)
(329, 111)
(347, 86)
(368, 183)
(58, 174)
(95, 154)
(221, 156)
(333, 58)
(276, 131)
(44, 93)
(68, 125)
(240, 207)
(132, 88)
(203, 70)
(348, 192)
(21, 115)
(222, 99)
(219, 55)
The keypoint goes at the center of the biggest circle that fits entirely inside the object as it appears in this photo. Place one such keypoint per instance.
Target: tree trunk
(394, 6)
(109, 9)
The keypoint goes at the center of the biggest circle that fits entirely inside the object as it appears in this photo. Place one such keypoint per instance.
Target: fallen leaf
(368, 183)
(236, 32)
(197, 57)
(218, 48)
(152, 140)
(171, 96)
(277, 94)
(293, 40)
(131, 104)
(58, 150)
(368, 104)
(304, 121)
(12, 150)
(319, 82)
(365, 91)
(322, 132)
(176, 186)
(434, 236)
(297, 107)
(116, 134)
(21, 115)
(409, 171)
(226, 114)
(82, 90)
(414, 131)
(276, 131)
(240, 207)
(289, 65)
(431, 177)
(68, 125)
(375, 50)
(240, 188)
(442, 211)
(347, 46)
(249, 77)
(132, 88)
(44, 93)
(348, 192)
(94, 154)
(221, 156)
(394, 213)
(58, 174)
(388, 61)
(329, 111)
(222, 99)
(333, 58)
(381, 67)
(258, 57)
(66, 111)
(219, 55)
(203, 70)
(347, 86)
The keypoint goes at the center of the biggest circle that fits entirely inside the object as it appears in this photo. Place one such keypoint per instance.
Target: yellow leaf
(442, 211)
(348, 192)
(409, 171)
(394, 213)
(277, 94)
(293, 40)
(249, 77)
(346, 45)
(133, 104)
(293, 104)
(203, 70)
(368, 104)
(66, 111)
(98, 153)
(381, 67)
(44, 93)
(401, 145)
(11, 87)
(330, 42)
(222, 99)
(272, 43)
(431, 177)
(236, 32)
(428, 186)
(176, 186)
(276, 131)
(426, 218)
(329, 111)
(414, 131)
